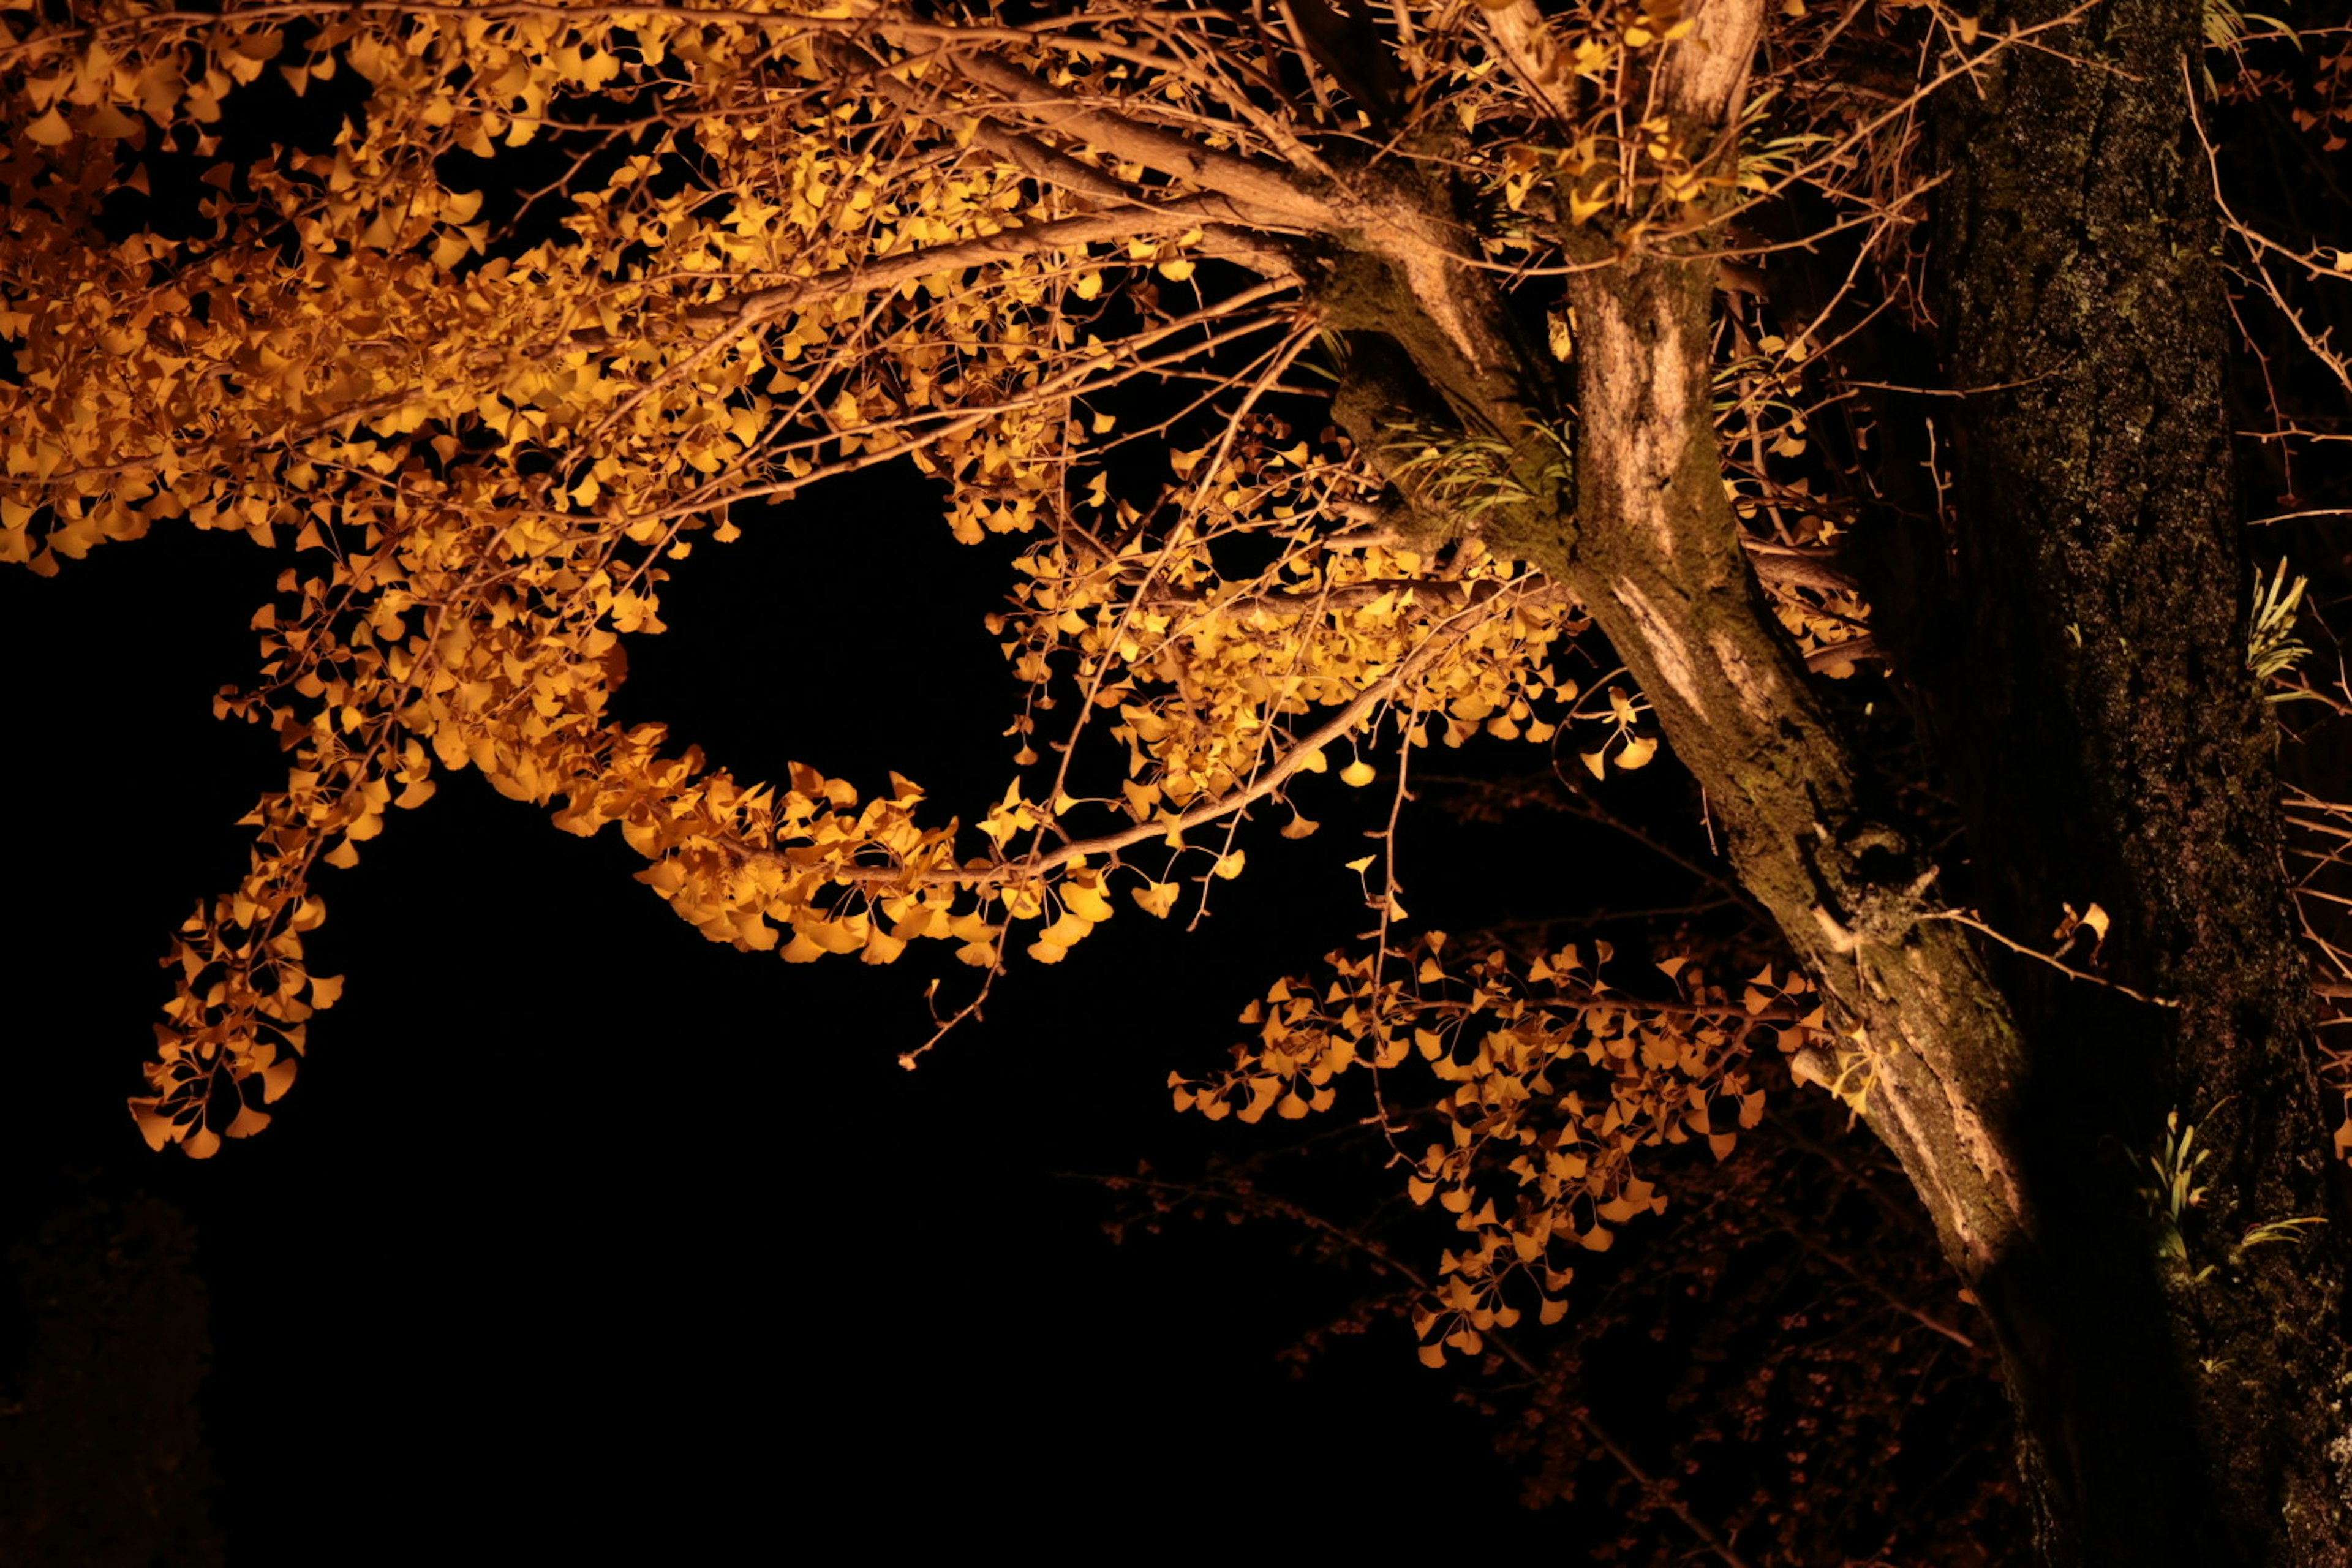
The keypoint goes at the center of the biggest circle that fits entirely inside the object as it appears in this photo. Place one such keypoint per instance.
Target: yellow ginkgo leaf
(1088, 903)
(1357, 773)
(1067, 931)
(112, 122)
(276, 1079)
(1581, 206)
(1157, 898)
(154, 1126)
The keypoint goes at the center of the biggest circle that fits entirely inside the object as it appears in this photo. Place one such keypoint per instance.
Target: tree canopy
(1348, 383)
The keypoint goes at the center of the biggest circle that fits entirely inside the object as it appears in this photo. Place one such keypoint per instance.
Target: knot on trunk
(1871, 880)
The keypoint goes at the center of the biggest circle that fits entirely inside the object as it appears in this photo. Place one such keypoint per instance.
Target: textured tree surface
(2095, 608)
(1350, 383)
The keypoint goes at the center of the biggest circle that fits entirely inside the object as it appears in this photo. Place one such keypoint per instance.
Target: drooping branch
(1277, 771)
(886, 273)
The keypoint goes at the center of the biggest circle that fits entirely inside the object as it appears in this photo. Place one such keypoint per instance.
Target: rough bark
(2106, 742)
(1654, 552)
(2091, 706)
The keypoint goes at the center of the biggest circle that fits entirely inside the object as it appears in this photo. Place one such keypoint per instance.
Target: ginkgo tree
(1355, 380)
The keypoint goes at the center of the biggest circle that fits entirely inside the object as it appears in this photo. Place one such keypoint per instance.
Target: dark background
(580, 1234)
(579, 1231)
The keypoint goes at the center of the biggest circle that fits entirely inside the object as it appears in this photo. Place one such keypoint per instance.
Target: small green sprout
(2175, 1161)
(2278, 1230)
(1463, 473)
(2175, 1192)
(2271, 647)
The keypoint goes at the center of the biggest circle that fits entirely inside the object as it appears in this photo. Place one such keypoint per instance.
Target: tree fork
(2141, 1393)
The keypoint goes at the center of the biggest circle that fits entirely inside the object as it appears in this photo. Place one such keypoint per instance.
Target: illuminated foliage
(1352, 383)
(783, 257)
(1557, 1085)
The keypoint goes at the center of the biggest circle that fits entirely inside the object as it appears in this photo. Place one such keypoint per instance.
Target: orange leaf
(156, 1129)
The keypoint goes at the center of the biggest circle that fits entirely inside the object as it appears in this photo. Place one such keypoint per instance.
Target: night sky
(584, 1230)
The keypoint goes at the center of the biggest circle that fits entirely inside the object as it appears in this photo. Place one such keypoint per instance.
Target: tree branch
(1522, 35)
(1259, 194)
(1329, 732)
(891, 271)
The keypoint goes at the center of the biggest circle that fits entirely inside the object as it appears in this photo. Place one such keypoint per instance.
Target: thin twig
(1713, 1542)
(1961, 917)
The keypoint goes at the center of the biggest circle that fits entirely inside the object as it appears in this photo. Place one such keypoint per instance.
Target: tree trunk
(2106, 742)
(2075, 632)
